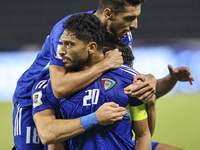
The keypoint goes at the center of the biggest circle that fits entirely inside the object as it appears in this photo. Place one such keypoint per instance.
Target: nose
(62, 50)
(134, 24)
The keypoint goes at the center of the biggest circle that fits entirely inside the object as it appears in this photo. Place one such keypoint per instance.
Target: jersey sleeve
(39, 97)
(53, 101)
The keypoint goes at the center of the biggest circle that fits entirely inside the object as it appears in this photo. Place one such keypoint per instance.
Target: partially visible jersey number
(35, 139)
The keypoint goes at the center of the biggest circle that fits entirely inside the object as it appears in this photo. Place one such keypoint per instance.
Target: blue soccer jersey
(108, 88)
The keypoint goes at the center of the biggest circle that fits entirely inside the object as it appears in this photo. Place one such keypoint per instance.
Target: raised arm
(52, 130)
(145, 90)
(65, 83)
(167, 83)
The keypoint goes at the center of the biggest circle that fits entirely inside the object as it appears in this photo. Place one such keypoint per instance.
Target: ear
(92, 46)
(108, 14)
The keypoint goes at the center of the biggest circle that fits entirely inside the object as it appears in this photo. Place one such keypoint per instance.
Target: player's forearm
(59, 130)
(151, 110)
(143, 143)
(66, 84)
(165, 85)
(142, 135)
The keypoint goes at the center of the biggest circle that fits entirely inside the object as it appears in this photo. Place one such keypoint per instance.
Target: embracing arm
(52, 130)
(142, 135)
(66, 83)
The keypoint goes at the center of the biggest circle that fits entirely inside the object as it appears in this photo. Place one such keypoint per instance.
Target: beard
(76, 65)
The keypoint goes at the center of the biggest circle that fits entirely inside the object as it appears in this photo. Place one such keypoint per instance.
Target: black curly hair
(112, 42)
(117, 5)
(87, 28)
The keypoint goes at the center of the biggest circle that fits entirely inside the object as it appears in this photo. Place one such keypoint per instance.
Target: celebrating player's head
(86, 27)
(83, 35)
(119, 16)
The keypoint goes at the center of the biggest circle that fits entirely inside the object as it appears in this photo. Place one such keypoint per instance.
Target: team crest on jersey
(108, 83)
(37, 99)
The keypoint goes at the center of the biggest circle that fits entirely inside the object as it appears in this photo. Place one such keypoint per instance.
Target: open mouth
(125, 33)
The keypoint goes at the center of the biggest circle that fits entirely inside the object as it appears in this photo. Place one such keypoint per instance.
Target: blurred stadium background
(168, 33)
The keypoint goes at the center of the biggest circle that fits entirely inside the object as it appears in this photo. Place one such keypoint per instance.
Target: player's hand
(113, 59)
(181, 74)
(109, 112)
(143, 87)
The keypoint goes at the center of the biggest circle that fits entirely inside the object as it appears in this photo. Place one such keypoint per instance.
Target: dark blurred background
(25, 24)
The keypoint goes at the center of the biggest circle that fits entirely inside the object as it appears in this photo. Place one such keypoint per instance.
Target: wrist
(105, 65)
(89, 121)
(152, 102)
(172, 78)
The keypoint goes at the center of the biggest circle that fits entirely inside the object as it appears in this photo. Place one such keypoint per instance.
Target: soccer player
(82, 49)
(80, 53)
(118, 18)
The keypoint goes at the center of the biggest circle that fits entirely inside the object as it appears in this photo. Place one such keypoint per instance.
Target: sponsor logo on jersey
(37, 99)
(108, 83)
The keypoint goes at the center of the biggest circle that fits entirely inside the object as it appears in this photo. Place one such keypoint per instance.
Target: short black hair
(87, 28)
(117, 5)
(112, 42)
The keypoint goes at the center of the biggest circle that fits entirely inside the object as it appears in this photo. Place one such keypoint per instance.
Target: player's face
(124, 21)
(73, 52)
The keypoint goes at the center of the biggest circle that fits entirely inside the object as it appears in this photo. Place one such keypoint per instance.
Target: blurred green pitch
(177, 123)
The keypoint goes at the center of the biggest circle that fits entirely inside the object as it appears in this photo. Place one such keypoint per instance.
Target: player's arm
(66, 83)
(52, 130)
(140, 127)
(167, 83)
(142, 135)
(151, 111)
(145, 90)
(150, 108)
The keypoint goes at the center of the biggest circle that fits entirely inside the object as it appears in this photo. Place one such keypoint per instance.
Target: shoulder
(124, 71)
(127, 69)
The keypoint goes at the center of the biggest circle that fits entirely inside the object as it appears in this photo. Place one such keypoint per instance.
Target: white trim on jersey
(47, 66)
(17, 126)
(42, 84)
(128, 69)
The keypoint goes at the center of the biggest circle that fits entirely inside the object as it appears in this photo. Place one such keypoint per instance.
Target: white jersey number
(35, 137)
(92, 97)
